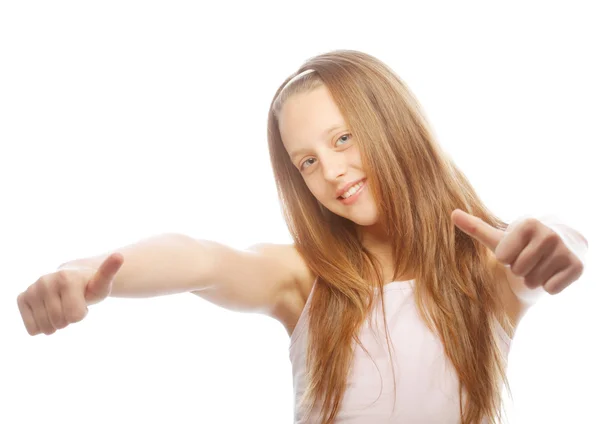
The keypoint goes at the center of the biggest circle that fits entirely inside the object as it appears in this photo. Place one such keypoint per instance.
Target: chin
(365, 221)
(365, 217)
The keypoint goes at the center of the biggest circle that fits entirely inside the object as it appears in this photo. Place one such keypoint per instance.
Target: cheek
(356, 157)
(317, 191)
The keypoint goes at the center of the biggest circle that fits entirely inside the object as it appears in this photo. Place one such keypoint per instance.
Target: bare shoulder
(272, 279)
(293, 298)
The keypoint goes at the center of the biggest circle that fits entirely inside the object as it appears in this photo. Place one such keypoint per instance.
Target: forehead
(305, 116)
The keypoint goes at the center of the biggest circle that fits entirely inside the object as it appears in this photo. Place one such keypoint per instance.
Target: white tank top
(426, 381)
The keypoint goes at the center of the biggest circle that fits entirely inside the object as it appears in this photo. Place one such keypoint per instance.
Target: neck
(376, 241)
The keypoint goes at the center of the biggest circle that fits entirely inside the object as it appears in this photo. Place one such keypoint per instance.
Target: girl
(394, 314)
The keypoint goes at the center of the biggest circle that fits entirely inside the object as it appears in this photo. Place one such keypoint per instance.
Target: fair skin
(329, 160)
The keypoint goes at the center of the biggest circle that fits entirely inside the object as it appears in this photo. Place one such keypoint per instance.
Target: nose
(333, 165)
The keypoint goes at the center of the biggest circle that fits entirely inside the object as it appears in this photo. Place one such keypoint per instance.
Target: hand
(533, 252)
(61, 298)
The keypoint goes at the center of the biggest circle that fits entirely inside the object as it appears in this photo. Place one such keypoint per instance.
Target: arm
(534, 256)
(155, 266)
(254, 279)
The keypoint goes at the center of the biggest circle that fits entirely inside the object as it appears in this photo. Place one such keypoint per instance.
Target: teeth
(352, 190)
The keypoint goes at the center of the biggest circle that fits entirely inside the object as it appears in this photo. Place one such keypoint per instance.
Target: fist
(534, 253)
(61, 298)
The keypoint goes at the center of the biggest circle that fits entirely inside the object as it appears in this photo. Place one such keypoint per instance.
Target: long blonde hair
(417, 186)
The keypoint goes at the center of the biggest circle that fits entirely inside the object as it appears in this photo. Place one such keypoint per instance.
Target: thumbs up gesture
(534, 253)
(61, 298)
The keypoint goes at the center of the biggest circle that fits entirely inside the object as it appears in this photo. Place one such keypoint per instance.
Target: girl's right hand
(61, 298)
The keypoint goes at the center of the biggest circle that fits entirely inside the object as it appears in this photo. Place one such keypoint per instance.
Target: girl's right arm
(257, 279)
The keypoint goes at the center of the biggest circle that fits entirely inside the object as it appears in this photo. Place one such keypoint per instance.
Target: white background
(120, 120)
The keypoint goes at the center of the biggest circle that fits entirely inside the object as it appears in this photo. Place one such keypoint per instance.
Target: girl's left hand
(534, 252)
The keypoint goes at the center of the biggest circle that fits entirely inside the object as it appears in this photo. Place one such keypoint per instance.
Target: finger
(27, 315)
(520, 253)
(540, 277)
(547, 267)
(515, 241)
(99, 285)
(477, 228)
(561, 280)
(54, 309)
(53, 329)
(40, 315)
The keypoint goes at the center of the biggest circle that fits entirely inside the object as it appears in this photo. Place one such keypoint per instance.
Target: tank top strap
(303, 315)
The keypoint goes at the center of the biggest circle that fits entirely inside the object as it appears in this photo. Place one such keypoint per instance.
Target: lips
(348, 201)
(345, 188)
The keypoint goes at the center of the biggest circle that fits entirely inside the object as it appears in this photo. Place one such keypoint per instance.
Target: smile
(354, 192)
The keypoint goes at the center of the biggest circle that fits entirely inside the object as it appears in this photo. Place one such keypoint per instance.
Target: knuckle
(62, 279)
(43, 286)
(564, 259)
(579, 267)
(21, 300)
(530, 224)
(62, 274)
(32, 291)
(62, 284)
(551, 237)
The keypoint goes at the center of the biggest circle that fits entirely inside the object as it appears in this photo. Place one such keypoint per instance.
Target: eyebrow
(325, 133)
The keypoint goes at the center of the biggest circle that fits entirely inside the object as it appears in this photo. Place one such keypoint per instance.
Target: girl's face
(321, 147)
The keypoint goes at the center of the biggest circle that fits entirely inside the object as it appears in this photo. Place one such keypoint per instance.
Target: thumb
(477, 229)
(100, 285)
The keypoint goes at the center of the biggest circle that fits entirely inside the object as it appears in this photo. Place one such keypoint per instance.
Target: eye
(345, 136)
(302, 164)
